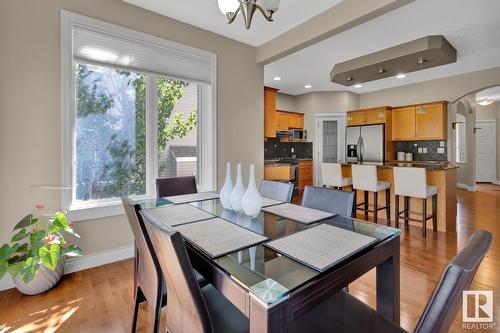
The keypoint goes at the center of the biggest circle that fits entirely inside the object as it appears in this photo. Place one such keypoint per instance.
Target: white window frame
(207, 97)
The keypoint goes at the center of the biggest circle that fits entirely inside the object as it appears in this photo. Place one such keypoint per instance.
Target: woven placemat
(321, 247)
(179, 214)
(298, 213)
(266, 202)
(186, 198)
(218, 237)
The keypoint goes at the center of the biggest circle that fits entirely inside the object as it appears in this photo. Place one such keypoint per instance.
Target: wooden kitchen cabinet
(296, 120)
(355, 118)
(403, 123)
(277, 172)
(411, 124)
(270, 115)
(375, 116)
(282, 121)
(431, 124)
(305, 174)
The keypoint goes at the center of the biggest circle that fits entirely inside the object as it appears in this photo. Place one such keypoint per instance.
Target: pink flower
(39, 206)
(49, 239)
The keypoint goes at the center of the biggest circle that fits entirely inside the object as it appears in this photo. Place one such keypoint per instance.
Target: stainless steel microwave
(298, 135)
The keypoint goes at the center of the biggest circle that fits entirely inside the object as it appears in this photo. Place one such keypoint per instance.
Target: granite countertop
(429, 165)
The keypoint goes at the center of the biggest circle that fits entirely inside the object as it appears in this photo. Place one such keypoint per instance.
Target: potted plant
(35, 256)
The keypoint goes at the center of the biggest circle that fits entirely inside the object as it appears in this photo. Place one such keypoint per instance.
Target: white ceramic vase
(238, 192)
(227, 189)
(252, 200)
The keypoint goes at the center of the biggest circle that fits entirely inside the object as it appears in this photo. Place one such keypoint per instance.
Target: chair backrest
(277, 190)
(186, 307)
(364, 177)
(166, 187)
(333, 201)
(457, 277)
(148, 273)
(410, 182)
(331, 174)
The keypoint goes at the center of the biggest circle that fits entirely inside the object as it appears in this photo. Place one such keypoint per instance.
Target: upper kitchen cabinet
(270, 116)
(295, 120)
(403, 121)
(355, 118)
(410, 123)
(432, 122)
(368, 116)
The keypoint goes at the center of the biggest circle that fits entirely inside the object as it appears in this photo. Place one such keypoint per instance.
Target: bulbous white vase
(238, 192)
(227, 189)
(252, 200)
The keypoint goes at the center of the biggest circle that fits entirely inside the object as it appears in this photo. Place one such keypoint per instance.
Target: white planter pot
(43, 281)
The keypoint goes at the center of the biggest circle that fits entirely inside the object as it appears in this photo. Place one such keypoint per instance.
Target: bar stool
(412, 182)
(364, 178)
(331, 176)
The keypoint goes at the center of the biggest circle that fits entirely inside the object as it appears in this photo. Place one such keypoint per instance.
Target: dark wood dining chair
(148, 279)
(345, 313)
(279, 191)
(166, 187)
(325, 199)
(190, 309)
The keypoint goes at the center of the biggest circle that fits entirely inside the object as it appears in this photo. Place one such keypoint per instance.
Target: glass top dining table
(264, 272)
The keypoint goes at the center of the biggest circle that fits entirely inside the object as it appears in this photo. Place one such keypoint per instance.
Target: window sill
(96, 212)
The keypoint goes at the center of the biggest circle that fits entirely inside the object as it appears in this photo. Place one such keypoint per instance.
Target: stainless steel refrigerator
(365, 143)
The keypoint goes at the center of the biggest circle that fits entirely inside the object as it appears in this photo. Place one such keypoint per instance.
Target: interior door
(329, 142)
(485, 151)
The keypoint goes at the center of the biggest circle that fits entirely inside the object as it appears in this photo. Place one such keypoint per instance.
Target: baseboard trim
(496, 182)
(84, 262)
(467, 187)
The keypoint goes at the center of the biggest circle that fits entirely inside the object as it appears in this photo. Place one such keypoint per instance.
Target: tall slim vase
(238, 191)
(252, 200)
(227, 189)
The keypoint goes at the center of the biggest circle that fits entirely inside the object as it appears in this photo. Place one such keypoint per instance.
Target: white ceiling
(492, 94)
(472, 27)
(206, 15)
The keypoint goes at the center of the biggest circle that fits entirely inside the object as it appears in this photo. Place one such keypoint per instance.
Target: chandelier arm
(232, 16)
(269, 16)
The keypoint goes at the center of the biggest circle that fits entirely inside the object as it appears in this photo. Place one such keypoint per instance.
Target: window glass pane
(177, 128)
(110, 132)
(329, 141)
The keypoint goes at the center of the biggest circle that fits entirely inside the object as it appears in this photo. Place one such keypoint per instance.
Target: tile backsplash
(418, 149)
(275, 149)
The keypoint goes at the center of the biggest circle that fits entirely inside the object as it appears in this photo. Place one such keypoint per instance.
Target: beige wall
(286, 102)
(30, 133)
(449, 89)
(324, 102)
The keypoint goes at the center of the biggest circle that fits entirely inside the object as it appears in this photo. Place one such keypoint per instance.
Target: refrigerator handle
(361, 148)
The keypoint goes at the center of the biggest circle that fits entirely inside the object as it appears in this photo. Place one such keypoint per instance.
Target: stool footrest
(428, 217)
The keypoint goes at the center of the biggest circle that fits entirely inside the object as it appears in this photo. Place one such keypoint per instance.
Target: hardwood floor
(101, 299)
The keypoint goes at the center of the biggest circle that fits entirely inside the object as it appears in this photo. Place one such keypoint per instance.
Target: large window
(131, 119)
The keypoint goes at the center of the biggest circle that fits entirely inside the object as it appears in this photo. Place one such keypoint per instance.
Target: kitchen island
(442, 175)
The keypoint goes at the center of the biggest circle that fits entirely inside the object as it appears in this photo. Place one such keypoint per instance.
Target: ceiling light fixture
(485, 101)
(277, 78)
(358, 85)
(308, 86)
(401, 76)
(247, 8)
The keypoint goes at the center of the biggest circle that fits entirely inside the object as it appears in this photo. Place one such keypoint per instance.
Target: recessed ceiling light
(308, 86)
(277, 78)
(358, 85)
(401, 76)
